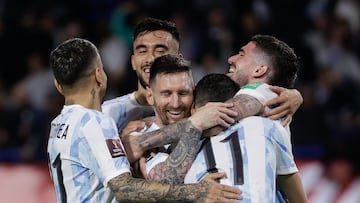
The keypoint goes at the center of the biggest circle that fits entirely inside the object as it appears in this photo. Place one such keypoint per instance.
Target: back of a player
(252, 153)
(84, 153)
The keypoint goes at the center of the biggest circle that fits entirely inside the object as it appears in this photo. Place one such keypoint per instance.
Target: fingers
(278, 90)
(212, 114)
(220, 192)
(132, 126)
(215, 176)
(224, 193)
(287, 120)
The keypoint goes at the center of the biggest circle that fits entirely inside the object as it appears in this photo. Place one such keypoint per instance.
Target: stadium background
(325, 33)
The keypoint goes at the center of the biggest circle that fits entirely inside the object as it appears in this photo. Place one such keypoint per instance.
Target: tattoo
(129, 189)
(246, 105)
(93, 93)
(166, 135)
(173, 170)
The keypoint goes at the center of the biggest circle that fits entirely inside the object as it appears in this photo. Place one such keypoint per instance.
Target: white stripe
(256, 157)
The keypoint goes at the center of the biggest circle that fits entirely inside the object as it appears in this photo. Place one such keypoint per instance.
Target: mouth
(231, 69)
(175, 115)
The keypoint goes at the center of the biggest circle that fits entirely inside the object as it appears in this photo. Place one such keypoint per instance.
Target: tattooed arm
(175, 167)
(212, 114)
(246, 105)
(129, 189)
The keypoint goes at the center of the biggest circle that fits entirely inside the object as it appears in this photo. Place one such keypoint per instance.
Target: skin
(247, 66)
(171, 95)
(243, 69)
(89, 92)
(292, 188)
(146, 48)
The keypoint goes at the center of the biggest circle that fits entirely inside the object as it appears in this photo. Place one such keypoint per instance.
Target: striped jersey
(125, 109)
(252, 153)
(84, 152)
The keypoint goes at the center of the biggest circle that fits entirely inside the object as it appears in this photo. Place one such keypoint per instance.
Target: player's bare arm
(174, 168)
(129, 189)
(212, 114)
(246, 105)
(292, 188)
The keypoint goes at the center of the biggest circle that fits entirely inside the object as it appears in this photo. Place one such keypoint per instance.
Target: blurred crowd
(324, 33)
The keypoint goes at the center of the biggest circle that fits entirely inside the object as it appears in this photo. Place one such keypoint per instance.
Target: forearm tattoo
(129, 189)
(246, 105)
(166, 135)
(173, 170)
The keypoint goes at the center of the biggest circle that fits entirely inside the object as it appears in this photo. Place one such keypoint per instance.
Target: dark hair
(152, 24)
(168, 64)
(282, 58)
(214, 87)
(72, 60)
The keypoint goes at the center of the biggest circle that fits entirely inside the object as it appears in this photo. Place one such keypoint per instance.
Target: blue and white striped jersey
(85, 152)
(125, 109)
(252, 153)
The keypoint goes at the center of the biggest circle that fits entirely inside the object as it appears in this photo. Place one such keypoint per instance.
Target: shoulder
(259, 90)
(128, 98)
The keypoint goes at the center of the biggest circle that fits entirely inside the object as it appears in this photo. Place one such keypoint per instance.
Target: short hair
(152, 24)
(168, 64)
(284, 63)
(72, 60)
(214, 87)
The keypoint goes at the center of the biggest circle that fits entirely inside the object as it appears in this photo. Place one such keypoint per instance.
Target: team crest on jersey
(115, 147)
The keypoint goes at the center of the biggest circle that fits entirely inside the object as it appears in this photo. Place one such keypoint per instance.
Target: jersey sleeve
(259, 90)
(284, 156)
(102, 149)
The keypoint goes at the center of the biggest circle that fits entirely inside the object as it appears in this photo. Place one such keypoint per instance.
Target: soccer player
(256, 152)
(86, 157)
(153, 38)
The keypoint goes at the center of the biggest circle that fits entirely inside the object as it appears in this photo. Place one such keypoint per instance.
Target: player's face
(171, 96)
(242, 64)
(147, 47)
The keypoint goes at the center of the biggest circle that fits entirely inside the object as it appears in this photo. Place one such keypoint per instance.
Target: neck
(140, 95)
(86, 100)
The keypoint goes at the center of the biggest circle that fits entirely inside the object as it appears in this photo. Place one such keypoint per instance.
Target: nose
(150, 56)
(231, 59)
(175, 101)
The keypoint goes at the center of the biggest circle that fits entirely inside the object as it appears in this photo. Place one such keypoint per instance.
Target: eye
(184, 93)
(165, 94)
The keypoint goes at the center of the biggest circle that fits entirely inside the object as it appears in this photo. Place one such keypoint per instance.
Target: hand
(218, 192)
(212, 114)
(289, 100)
(132, 126)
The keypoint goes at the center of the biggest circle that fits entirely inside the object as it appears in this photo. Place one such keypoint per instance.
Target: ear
(193, 108)
(58, 87)
(149, 96)
(260, 71)
(99, 77)
(133, 62)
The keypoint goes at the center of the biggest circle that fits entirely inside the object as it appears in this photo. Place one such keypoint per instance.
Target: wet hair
(152, 24)
(168, 64)
(214, 87)
(72, 60)
(282, 60)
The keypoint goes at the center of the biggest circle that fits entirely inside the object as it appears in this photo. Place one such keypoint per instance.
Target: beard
(143, 83)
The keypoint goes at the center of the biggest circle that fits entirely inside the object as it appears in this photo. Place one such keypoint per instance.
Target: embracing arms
(129, 189)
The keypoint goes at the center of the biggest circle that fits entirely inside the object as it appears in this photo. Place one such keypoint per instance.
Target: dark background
(325, 33)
